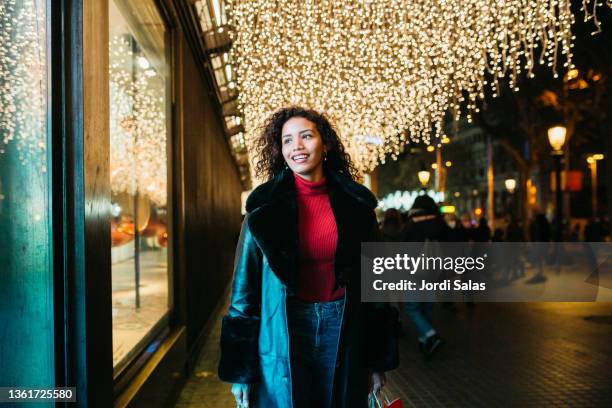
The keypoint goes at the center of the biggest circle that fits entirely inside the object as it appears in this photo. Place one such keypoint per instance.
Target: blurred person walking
(456, 231)
(540, 233)
(468, 227)
(593, 234)
(392, 229)
(458, 235)
(425, 224)
(594, 231)
(482, 233)
(514, 235)
(481, 237)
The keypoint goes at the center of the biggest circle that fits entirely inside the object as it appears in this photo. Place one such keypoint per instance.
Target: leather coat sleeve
(240, 327)
(382, 327)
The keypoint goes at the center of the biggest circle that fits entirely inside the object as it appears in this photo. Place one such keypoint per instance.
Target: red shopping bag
(382, 400)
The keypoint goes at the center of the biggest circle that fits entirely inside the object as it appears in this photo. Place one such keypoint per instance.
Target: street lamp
(556, 138)
(424, 178)
(592, 160)
(510, 185)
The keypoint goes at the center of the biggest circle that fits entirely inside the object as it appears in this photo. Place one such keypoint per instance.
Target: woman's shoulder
(269, 191)
(276, 188)
(356, 190)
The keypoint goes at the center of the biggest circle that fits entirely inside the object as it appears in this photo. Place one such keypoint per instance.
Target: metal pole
(136, 209)
(136, 252)
(559, 199)
(594, 188)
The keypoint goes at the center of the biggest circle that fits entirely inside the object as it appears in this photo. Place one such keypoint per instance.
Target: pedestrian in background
(514, 235)
(456, 231)
(425, 223)
(540, 234)
(392, 226)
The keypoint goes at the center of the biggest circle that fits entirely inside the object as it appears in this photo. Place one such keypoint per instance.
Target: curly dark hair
(269, 149)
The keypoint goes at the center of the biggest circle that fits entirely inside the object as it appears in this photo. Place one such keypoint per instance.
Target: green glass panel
(26, 290)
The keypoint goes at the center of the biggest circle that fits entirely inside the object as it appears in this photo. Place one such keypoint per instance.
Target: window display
(139, 175)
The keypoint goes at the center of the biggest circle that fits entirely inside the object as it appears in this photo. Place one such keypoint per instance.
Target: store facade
(119, 198)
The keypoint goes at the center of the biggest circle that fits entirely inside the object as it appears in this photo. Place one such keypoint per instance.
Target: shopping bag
(382, 400)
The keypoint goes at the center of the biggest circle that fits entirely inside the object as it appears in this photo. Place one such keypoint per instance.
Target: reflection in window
(139, 174)
(26, 275)
(23, 86)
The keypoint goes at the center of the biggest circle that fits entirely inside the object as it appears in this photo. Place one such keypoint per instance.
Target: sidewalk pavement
(495, 355)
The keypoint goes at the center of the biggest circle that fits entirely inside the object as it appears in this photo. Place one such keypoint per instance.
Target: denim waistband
(319, 308)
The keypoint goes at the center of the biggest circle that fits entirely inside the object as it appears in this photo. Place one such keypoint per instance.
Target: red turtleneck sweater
(317, 239)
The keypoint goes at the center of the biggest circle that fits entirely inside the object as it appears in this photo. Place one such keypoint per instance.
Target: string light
(391, 69)
(403, 200)
(137, 124)
(23, 80)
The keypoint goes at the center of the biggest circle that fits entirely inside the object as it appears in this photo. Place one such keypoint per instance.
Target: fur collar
(283, 184)
(272, 219)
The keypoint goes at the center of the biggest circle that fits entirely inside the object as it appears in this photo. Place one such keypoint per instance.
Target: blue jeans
(420, 314)
(314, 331)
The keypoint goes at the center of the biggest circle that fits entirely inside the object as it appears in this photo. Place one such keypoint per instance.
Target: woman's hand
(377, 381)
(241, 393)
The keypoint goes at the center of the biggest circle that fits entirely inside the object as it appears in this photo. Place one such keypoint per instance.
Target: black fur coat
(254, 338)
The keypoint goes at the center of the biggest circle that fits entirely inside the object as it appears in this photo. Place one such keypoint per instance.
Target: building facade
(119, 198)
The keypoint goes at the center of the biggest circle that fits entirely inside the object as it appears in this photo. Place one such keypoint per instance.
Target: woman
(296, 333)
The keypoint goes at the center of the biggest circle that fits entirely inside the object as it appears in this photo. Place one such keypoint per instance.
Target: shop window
(138, 71)
(26, 274)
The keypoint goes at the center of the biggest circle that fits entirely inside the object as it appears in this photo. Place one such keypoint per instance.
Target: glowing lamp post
(592, 161)
(424, 177)
(556, 138)
(510, 185)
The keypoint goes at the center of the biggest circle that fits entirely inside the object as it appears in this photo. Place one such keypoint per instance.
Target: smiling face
(303, 148)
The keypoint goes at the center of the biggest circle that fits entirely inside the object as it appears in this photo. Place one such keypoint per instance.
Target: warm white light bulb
(424, 177)
(556, 137)
(143, 62)
(510, 184)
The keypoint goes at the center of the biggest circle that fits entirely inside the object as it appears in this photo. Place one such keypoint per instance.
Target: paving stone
(495, 355)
